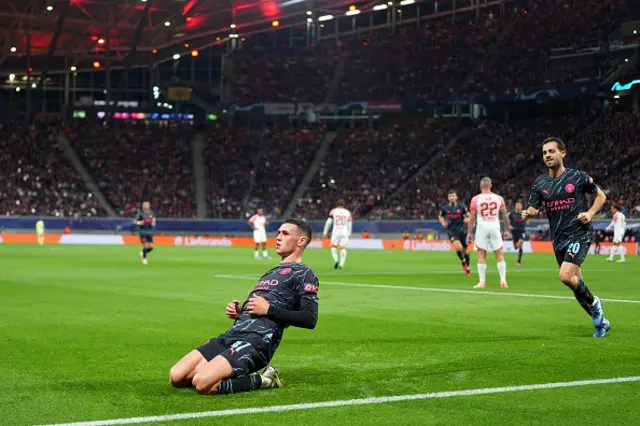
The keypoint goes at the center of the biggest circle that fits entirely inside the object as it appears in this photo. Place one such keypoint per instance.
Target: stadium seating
(130, 161)
(36, 177)
(367, 163)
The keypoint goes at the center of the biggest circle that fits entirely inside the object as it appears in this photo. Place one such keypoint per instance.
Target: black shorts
(517, 235)
(146, 238)
(572, 251)
(243, 356)
(458, 235)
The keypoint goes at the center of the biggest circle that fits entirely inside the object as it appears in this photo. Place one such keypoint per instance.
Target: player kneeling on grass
(286, 295)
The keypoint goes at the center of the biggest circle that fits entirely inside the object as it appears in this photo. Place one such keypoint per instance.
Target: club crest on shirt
(569, 188)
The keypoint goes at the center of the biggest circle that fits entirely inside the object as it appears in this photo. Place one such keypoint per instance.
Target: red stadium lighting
(217, 38)
(94, 38)
(96, 64)
(275, 23)
(186, 45)
(188, 19)
(154, 51)
(30, 69)
(194, 53)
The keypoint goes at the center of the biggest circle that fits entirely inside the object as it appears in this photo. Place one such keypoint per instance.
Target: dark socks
(519, 255)
(240, 384)
(146, 251)
(460, 255)
(583, 296)
(467, 259)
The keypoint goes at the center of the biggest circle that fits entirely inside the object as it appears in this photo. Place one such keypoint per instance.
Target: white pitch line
(349, 402)
(439, 290)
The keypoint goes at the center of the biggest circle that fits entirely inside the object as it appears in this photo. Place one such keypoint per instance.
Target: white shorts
(618, 235)
(488, 239)
(339, 240)
(40, 234)
(260, 236)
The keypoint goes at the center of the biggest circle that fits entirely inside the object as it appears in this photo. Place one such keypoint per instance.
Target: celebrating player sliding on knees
(562, 194)
(286, 295)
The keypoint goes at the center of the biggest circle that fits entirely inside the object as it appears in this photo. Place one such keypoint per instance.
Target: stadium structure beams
(54, 41)
(129, 56)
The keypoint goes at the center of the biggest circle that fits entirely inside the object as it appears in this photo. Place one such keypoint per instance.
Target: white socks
(343, 257)
(502, 270)
(264, 253)
(334, 253)
(482, 272)
(257, 254)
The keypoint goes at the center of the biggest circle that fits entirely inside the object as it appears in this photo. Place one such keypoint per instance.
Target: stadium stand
(131, 161)
(36, 177)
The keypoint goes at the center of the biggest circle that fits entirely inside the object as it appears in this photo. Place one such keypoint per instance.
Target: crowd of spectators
(37, 179)
(134, 160)
(609, 150)
(256, 168)
(276, 76)
(365, 164)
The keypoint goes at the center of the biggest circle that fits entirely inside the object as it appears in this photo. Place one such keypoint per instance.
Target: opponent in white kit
(259, 224)
(485, 208)
(342, 224)
(619, 225)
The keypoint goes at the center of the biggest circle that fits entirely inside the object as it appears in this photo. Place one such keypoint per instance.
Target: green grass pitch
(89, 333)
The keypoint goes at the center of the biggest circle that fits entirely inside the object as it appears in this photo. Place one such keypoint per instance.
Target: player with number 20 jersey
(562, 193)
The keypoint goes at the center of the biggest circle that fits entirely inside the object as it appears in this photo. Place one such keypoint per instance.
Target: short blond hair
(485, 182)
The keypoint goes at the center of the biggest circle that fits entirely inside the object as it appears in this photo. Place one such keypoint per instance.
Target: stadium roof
(87, 29)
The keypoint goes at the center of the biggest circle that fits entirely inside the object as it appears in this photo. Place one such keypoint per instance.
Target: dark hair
(617, 207)
(340, 203)
(303, 226)
(452, 191)
(558, 141)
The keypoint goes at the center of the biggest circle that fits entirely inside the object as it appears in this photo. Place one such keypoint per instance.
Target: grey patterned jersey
(284, 287)
(563, 198)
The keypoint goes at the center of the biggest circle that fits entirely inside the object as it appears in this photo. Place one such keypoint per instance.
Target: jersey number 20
(341, 220)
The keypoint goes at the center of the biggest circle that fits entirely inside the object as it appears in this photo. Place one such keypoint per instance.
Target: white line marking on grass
(349, 402)
(439, 290)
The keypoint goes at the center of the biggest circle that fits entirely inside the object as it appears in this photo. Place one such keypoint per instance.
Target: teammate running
(619, 225)
(146, 223)
(286, 295)
(453, 216)
(486, 207)
(518, 231)
(342, 226)
(40, 231)
(561, 192)
(258, 223)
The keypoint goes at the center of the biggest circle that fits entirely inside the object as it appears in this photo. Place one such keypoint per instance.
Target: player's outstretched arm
(601, 198)
(305, 317)
(327, 225)
(530, 211)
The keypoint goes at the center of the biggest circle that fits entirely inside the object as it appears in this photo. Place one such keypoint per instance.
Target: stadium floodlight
(176, 56)
(309, 12)
(406, 2)
(156, 89)
(309, 20)
(73, 68)
(232, 26)
(13, 49)
(12, 77)
(380, 7)
(167, 23)
(100, 41)
(34, 85)
(325, 18)
(390, 3)
(17, 89)
(352, 12)
(49, 8)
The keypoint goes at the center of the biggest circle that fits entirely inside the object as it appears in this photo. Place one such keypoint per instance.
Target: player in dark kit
(518, 231)
(286, 295)
(146, 223)
(453, 218)
(562, 194)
